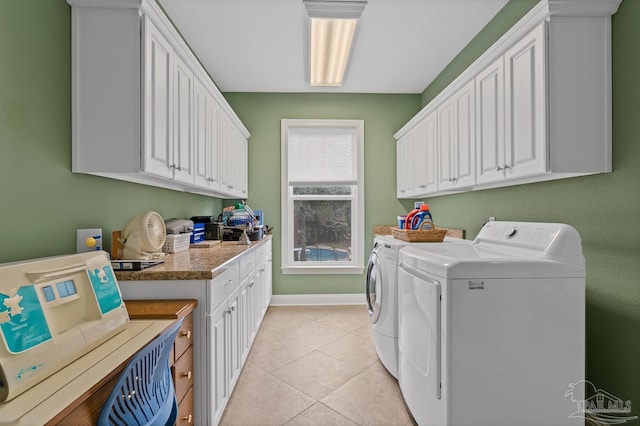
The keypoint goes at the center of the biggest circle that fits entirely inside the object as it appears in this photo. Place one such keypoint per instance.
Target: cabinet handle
(454, 179)
(506, 166)
(188, 418)
(187, 375)
(172, 166)
(228, 311)
(251, 284)
(498, 169)
(186, 334)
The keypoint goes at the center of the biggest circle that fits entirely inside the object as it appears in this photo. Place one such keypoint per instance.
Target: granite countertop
(192, 264)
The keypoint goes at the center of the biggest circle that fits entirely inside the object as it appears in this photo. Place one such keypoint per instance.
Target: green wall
(383, 116)
(603, 208)
(41, 202)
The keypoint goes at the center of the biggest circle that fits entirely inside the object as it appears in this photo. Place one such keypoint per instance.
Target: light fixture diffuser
(332, 26)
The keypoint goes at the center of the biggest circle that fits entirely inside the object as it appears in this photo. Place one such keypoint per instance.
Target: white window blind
(326, 155)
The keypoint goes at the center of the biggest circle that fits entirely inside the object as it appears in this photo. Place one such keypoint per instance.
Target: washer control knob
(511, 232)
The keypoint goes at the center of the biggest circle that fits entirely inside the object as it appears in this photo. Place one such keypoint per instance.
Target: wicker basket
(419, 235)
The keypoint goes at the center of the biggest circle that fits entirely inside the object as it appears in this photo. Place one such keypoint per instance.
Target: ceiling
(257, 45)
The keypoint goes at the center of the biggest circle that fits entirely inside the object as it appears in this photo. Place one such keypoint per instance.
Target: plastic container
(401, 221)
(415, 219)
(176, 243)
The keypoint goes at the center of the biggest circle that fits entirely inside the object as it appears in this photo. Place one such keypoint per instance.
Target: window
(322, 196)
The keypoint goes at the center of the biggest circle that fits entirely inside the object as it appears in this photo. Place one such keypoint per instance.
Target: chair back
(144, 394)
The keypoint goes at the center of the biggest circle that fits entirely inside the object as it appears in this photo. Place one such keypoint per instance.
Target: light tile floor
(315, 365)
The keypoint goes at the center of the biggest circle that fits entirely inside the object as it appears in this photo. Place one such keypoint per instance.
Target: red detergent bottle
(417, 217)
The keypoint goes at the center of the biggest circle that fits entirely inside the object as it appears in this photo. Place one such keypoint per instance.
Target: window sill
(320, 270)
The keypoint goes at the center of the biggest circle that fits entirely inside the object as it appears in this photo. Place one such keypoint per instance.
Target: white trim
(317, 299)
(357, 264)
(319, 270)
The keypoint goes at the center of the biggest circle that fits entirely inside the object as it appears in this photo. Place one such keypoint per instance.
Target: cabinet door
(213, 145)
(201, 129)
(423, 149)
(235, 344)
(490, 123)
(226, 153)
(268, 281)
(526, 151)
(404, 167)
(218, 348)
(242, 175)
(447, 144)
(182, 122)
(245, 307)
(430, 154)
(465, 131)
(157, 156)
(205, 134)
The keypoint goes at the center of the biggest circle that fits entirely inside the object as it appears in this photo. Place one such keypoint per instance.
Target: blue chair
(144, 394)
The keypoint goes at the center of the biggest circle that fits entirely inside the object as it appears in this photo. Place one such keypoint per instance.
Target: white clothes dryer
(382, 295)
(494, 332)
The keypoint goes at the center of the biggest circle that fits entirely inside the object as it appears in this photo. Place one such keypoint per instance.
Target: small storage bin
(176, 243)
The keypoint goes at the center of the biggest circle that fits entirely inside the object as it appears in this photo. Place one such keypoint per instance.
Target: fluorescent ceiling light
(332, 26)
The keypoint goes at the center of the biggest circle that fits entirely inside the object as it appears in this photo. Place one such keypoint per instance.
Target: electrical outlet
(492, 218)
(88, 240)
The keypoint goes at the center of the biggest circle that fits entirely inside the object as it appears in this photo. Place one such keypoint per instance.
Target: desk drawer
(183, 374)
(185, 410)
(184, 338)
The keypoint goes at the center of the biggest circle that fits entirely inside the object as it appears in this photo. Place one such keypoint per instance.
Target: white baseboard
(317, 299)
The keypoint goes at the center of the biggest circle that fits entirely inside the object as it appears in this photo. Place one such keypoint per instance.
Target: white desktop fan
(143, 236)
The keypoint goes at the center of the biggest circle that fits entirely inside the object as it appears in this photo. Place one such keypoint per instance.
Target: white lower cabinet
(229, 313)
(535, 106)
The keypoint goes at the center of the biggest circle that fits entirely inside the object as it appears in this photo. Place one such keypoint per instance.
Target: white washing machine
(493, 333)
(382, 295)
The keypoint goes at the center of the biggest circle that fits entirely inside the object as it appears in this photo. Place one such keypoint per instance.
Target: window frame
(356, 264)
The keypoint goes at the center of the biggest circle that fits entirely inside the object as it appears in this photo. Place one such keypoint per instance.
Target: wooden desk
(85, 410)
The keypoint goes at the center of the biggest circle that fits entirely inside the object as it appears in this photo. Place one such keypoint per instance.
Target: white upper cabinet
(416, 154)
(457, 140)
(535, 106)
(157, 155)
(144, 110)
(526, 151)
(207, 140)
(490, 123)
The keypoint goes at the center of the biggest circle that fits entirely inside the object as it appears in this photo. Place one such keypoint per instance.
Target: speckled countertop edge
(192, 264)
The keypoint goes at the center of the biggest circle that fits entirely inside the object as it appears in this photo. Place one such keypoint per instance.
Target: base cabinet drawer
(185, 410)
(183, 374)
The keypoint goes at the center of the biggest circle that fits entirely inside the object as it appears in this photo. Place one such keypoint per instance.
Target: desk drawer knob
(187, 375)
(186, 334)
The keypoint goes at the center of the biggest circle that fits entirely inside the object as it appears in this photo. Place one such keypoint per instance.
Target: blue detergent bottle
(422, 217)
